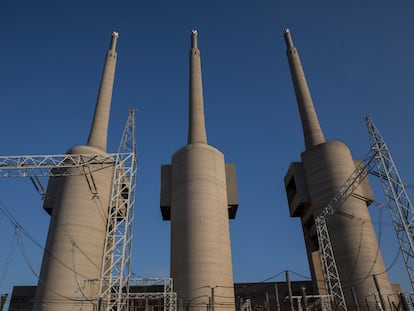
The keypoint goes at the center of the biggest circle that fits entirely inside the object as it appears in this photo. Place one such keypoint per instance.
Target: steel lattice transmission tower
(378, 162)
(114, 284)
(115, 275)
(329, 267)
(398, 202)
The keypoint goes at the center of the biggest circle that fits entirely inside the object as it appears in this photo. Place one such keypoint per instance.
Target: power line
(18, 230)
(300, 275)
(8, 260)
(272, 277)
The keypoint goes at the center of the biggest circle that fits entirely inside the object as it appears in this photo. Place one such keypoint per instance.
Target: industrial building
(311, 183)
(198, 196)
(248, 296)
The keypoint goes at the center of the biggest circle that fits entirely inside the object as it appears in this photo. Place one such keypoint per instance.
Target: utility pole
(99, 303)
(355, 299)
(379, 292)
(3, 301)
(212, 299)
(277, 298)
(304, 300)
(267, 306)
(290, 291)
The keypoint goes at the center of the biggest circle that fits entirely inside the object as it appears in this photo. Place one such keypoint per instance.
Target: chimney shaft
(196, 127)
(99, 130)
(311, 128)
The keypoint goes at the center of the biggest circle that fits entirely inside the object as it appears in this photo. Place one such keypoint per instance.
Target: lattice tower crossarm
(398, 202)
(115, 275)
(53, 165)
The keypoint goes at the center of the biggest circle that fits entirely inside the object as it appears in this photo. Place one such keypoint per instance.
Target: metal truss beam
(53, 165)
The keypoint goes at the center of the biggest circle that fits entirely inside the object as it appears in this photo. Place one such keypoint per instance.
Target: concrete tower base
(72, 260)
(357, 254)
(201, 264)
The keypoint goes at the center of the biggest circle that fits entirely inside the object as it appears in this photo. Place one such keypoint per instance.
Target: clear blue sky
(357, 55)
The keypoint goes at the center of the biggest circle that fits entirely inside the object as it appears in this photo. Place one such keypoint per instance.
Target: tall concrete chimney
(99, 130)
(78, 205)
(196, 123)
(311, 184)
(312, 131)
(198, 195)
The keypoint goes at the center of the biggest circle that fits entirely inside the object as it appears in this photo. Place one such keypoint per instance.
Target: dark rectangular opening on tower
(165, 192)
(296, 189)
